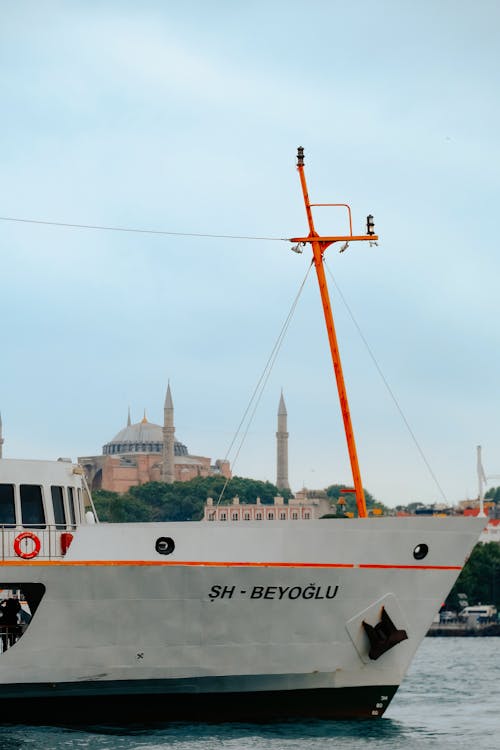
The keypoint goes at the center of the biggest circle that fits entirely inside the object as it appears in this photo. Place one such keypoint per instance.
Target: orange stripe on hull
(205, 563)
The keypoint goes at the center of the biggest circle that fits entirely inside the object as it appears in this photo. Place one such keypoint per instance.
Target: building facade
(277, 511)
(305, 506)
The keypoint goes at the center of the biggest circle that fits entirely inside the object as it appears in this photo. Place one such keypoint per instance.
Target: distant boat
(215, 621)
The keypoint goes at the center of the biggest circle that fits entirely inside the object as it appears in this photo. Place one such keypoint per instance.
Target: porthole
(420, 551)
(165, 545)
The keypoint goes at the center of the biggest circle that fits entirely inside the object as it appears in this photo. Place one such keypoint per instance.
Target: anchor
(383, 636)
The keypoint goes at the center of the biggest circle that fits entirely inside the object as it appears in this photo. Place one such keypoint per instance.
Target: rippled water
(450, 699)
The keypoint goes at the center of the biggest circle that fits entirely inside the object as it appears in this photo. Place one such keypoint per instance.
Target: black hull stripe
(158, 705)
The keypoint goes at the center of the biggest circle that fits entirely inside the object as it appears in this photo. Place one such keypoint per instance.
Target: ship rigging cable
(261, 384)
(388, 387)
(135, 230)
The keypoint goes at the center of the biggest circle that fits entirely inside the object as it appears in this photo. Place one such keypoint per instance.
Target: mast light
(370, 225)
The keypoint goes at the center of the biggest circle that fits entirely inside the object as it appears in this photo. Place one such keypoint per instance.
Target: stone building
(147, 452)
(306, 505)
(257, 511)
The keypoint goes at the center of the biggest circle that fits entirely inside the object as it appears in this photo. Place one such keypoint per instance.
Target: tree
(480, 577)
(493, 494)
(115, 508)
(334, 491)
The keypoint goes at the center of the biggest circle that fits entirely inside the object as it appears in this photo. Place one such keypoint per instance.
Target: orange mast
(319, 245)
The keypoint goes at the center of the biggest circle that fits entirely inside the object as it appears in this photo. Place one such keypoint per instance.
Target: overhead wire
(261, 384)
(388, 387)
(136, 230)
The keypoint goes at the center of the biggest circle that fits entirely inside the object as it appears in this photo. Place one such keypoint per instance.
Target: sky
(186, 117)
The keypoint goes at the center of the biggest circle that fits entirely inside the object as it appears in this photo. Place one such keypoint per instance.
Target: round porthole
(420, 551)
(165, 545)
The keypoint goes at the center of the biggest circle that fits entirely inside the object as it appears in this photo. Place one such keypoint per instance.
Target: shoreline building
(258, 511)
(305, 505)
(147, 452)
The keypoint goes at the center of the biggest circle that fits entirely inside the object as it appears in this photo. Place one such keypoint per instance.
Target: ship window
(7, 508)
(58, 506)
(71, 503)
(32, 512)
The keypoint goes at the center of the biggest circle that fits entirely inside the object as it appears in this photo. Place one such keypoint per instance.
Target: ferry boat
(212, 621)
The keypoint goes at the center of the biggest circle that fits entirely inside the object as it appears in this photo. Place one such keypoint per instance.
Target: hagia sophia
(148, 452)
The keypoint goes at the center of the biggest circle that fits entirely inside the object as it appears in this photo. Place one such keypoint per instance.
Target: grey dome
(142, 437)
(142, 432)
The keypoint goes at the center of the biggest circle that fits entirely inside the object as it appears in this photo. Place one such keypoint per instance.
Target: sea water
(449, 699)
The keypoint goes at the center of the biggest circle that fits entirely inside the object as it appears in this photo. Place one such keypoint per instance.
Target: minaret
(1, 436)
(282, 447)
(167, 473)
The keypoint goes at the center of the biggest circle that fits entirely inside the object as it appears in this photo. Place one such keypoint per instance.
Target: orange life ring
(17, 545)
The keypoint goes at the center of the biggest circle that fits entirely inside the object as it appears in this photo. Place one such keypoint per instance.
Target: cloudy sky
(185, 117)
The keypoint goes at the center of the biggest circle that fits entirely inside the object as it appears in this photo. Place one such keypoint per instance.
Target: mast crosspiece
(318, 246)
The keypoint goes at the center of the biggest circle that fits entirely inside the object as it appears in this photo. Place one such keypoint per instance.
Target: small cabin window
(71, 503)
(7, 507)
(32, 512)
(58, 505)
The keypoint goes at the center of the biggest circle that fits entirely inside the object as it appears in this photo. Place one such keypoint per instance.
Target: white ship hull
(240, 621)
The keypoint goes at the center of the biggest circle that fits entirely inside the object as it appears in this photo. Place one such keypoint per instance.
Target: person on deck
(10, 609)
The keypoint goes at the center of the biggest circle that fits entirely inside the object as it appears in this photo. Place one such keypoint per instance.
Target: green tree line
(480, 578)
(179, 501)
(184, 501)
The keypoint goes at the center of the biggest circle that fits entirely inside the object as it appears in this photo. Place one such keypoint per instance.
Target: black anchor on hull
(383, 636)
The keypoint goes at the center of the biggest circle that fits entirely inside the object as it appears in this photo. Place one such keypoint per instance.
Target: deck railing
(35, 542)
(10, 634)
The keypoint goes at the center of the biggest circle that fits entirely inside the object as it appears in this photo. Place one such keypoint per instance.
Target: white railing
(34, 542)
